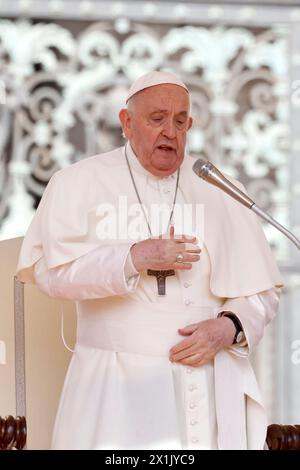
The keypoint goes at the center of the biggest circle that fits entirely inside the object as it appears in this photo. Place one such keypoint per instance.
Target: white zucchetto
(152, 79)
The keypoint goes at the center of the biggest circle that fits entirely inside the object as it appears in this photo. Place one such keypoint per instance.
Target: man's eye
(157, 119)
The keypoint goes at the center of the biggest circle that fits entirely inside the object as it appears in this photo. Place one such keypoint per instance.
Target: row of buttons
(192, 387)
(192, 406)
(166, 184)
(187, 301)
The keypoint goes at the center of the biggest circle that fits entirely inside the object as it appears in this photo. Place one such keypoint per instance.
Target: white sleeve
(254, 313)
(103, 272)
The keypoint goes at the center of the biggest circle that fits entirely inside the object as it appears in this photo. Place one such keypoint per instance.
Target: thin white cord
(62, 328)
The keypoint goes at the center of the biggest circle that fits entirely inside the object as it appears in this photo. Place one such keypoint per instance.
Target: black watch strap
(236, 322)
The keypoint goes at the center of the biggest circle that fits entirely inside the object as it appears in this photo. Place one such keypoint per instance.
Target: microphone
(207, 171)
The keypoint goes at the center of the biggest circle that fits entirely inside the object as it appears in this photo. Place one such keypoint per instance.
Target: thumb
(172, 231)
(189, 329)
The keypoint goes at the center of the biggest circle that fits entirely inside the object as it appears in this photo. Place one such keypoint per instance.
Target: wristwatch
(239, 333)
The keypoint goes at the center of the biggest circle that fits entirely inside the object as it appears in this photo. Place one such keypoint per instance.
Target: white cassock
(121, 390)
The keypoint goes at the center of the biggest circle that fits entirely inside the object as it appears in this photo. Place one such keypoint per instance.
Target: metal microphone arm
(264, 215)
(207, 171)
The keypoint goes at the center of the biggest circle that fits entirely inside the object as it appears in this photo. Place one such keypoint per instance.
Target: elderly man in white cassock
(166, 323)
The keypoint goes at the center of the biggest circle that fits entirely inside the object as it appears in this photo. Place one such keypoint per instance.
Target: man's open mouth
(167, 148)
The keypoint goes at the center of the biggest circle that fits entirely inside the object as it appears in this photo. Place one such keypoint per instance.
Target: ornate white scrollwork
(63, 93)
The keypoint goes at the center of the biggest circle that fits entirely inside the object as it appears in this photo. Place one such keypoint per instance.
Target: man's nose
(169, 129)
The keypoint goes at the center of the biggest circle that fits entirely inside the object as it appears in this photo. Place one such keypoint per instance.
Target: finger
(190, 248)
(198, 359)
(187, 260)
(192, 361)
(184, 344)
(182, 266)
(182, 238)
(190, 258)
(169, 234)
(185, 355)
(181, 250)
(189, 329)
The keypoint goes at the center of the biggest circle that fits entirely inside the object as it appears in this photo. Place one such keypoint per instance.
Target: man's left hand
(204, 340)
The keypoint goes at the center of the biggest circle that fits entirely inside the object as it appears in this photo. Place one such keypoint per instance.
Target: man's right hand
(160, 253)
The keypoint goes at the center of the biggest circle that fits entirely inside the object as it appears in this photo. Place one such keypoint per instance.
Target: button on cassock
(193, 422)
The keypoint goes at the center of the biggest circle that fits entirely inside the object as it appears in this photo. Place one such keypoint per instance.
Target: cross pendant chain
(160, 275)
(161, 279)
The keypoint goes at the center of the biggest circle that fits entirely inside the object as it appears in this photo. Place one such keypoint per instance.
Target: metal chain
(139, 199)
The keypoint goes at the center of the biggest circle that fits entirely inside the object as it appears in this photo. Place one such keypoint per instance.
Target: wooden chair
(13, 433)
(283, 437)
(33, 353)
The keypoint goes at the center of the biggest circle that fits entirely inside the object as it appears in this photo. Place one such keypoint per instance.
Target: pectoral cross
(161, 279)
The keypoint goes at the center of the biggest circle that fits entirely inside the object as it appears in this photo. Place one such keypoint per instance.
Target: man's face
(156, 123)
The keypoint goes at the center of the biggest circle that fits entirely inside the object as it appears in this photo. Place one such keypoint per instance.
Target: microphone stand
(207, 171)
(264, 215)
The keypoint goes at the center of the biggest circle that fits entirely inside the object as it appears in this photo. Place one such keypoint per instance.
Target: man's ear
(125, 120)
(190, 122)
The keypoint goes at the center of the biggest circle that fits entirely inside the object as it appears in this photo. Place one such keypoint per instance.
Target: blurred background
(65, 68)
